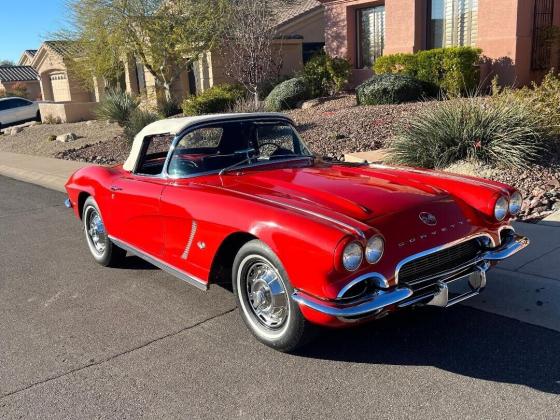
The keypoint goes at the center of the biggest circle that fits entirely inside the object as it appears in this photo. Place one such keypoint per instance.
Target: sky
(25, 24)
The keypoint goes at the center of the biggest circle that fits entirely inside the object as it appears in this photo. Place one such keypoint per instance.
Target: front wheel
(102, 249)
(263, 294)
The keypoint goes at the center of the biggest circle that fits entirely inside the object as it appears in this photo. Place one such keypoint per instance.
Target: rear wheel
(263, 294)
(102, 249)
(38, 116)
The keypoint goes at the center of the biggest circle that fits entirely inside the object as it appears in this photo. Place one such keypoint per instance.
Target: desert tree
(251, 43)
(7, 63)
(165, 35)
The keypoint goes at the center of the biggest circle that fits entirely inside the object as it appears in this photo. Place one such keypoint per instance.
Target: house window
(371, 35)
(542, 22)
(452, 23)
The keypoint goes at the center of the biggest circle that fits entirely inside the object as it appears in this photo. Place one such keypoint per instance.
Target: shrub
(169, 108)
(138, 120)
(477, 129)
(325, 75)
(50, 119)
(390, 89)
(267, 86)
(116, 106)
(18, 89)
(287, 95)
(214, 100)
(543, 99)
(247, 105)
(454, 69)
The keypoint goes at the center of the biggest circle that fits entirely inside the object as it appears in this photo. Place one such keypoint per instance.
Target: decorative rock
(33, 123)
(90, 122)
(14, 130)
(65, 138)
(310, 104)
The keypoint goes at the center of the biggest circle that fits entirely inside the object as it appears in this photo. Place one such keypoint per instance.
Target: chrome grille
(417, 270)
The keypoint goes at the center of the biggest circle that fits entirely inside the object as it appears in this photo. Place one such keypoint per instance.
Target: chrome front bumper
(401, 297)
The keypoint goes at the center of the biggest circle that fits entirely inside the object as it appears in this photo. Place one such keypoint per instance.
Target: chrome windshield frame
(262, 119)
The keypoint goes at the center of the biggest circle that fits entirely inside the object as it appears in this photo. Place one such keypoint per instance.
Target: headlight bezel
(515, 197)
(358, 251)
(380, 252)
(501, 208)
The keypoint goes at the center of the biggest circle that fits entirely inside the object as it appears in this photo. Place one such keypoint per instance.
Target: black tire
(294, 331)
(38, 116)
(100, 246)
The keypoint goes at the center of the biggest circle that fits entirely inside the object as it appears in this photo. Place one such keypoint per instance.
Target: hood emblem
(428, 218)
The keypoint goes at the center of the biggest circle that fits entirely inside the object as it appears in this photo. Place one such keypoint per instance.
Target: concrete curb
(46, 172)
(553, 220)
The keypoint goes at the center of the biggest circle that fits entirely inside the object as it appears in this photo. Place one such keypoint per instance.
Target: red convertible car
(304, 242)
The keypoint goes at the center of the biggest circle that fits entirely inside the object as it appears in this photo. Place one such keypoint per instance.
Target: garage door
(60, 88)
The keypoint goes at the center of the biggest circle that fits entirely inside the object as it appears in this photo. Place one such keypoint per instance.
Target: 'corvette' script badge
(428, 218)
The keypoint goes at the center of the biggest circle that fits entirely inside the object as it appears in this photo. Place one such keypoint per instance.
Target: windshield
(219, 147)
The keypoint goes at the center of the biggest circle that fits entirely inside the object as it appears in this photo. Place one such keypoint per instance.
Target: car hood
(359, 193)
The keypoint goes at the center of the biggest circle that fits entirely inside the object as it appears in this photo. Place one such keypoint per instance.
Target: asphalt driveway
(78, 340)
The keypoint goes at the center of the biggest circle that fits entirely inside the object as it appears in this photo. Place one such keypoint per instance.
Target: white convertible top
(174, 126)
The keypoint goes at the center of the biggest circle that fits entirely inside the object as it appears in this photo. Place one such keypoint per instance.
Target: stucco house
(13, 76)
(27, 57)
(510, 32)
(69, 100)
(301, 32)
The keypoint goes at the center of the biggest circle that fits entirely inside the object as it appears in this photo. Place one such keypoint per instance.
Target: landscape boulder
(65, 138)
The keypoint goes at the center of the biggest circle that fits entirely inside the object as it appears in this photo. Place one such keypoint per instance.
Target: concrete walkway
(526, 287)
(46, 172)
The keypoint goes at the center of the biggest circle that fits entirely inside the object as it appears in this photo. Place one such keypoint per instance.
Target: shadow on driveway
(461, 340)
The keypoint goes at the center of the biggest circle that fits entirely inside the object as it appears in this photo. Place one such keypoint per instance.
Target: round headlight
(515, 203)
(374, 249)
(352, 256)
(501, 209)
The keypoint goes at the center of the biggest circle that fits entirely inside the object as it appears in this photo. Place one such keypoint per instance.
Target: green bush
(391, 89)
(476, 129)
(169, 108)
(214, 100)
(325, 75)
(543, 99)
(116, 106)
(137, 121)
(266, 87)
(247, 105)
(287, 95)
(454, 69)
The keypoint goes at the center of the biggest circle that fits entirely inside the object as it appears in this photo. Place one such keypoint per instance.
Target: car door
(25, 109)
(135, 212)
(196, 154)
(8, 112)
(135, 201)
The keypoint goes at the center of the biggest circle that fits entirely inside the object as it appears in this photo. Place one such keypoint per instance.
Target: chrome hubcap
(96, 231)
(267, 295)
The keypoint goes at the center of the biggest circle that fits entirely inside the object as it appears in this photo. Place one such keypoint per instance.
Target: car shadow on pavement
(461, 340)
(132, 262)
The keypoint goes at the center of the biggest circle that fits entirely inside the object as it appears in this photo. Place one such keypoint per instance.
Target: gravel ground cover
(34, 140)
(339, 126)
(539, 185)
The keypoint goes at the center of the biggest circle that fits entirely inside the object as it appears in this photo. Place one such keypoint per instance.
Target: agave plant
(116, 106)
(502, 133)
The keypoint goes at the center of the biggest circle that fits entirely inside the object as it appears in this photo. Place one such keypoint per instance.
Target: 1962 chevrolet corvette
(304, 242)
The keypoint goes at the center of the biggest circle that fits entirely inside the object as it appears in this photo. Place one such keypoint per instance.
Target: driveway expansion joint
(115, 356)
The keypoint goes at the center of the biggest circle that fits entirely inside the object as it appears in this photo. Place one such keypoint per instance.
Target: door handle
(115, 188)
